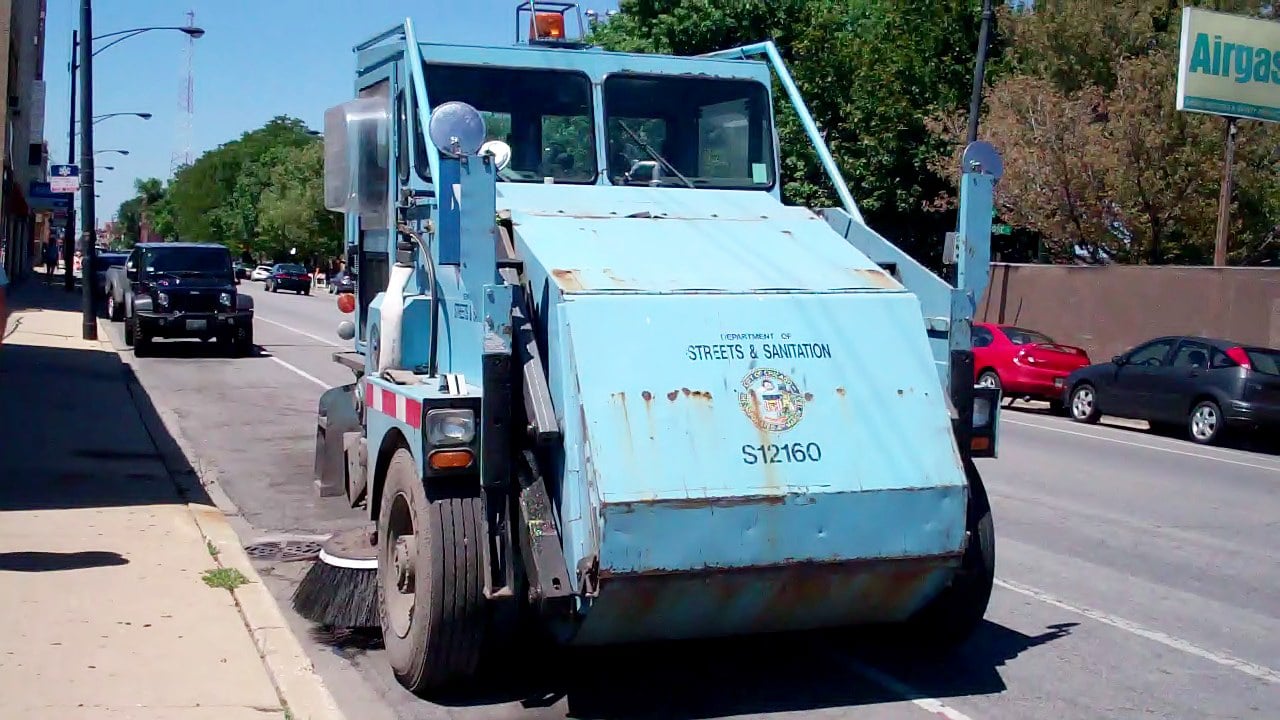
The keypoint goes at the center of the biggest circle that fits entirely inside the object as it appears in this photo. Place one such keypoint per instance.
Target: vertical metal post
(979, 69)
(87, 209)
(69, 232)
(1224, 195)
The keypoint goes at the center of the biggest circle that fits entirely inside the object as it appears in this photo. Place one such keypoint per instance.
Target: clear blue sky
(258, 59)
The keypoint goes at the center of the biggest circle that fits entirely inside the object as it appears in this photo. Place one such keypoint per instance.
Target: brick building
(23, 227)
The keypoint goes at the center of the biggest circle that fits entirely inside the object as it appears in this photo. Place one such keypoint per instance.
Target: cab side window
(1192, 355)
(982, 337)
(1151, 354)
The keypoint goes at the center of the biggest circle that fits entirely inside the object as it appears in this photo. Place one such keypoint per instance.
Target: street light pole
(979, 70)
(69, 232)
(68, 249)
(88, 211)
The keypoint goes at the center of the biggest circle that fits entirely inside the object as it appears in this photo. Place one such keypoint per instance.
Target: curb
(301, 690)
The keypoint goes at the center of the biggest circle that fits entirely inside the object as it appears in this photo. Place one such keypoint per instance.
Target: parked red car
(1023, 363)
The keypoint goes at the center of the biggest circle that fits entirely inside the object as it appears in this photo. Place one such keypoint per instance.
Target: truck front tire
(430, 584)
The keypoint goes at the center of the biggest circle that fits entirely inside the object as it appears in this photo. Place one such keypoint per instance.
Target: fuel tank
(756, 438)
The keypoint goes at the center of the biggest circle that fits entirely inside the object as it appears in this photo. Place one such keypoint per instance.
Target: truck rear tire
(952, 616)
(430, 581)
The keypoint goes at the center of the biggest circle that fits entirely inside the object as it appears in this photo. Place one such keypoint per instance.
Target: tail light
(1240, 357)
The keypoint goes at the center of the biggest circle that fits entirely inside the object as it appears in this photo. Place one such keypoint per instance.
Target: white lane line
(892, 684)
(1157, 448)
(1243, 666)
(302, 373)
(304, 333)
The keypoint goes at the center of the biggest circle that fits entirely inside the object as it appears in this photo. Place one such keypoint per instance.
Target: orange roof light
(547, 25)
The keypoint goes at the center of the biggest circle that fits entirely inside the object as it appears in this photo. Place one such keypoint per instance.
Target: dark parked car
(180, 290)
(342, 282)
(289, 276)
(101, 262)
(1205, 385)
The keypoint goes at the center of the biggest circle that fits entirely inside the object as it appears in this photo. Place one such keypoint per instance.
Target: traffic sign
(64, 178)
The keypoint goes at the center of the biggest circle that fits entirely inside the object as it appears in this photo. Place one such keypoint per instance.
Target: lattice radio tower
(186, 104)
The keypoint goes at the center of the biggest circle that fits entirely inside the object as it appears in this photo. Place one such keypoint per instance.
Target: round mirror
(982, 157)
(456, 128)
(346, 329)
(501, 153)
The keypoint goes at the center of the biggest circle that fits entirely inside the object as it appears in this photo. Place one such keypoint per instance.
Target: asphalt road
(1138, 575)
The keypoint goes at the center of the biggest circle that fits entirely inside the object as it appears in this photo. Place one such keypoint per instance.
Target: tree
(217, 197)
(291, 213)
(871, 72)
(1099, 160)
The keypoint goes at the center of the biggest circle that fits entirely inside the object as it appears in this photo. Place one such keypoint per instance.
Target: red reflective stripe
(413, 413)
(389, 402)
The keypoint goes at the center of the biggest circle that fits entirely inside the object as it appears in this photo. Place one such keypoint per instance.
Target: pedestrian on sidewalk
(50, 260)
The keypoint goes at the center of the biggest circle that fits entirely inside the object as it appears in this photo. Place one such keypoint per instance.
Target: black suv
(1203, 384)
(180, 290)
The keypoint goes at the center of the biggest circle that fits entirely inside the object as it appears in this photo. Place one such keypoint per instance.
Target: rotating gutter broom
(340, 590)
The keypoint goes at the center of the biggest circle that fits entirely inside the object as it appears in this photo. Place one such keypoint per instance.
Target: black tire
(242, 346)
(952, 616)
(128, 332)
(989, 378)
(1084, 404)
(1205, 423)
(141, 343)
(1057, 407)
(434, 643)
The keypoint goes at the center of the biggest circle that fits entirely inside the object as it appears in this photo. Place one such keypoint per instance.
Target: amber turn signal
(450, 459)
(980, 443)
(346, 302)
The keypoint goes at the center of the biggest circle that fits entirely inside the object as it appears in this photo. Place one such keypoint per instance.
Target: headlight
(163, 298)
(450, 427)
(981, 412)
(225, 299)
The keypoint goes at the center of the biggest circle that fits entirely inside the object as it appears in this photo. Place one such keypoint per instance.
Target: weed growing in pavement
(213, 549)
(225, 578)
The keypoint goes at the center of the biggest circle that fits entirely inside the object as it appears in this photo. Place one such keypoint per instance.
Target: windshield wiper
(655, 155)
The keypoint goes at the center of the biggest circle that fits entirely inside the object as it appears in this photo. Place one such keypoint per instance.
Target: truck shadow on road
(79, 431)
(739, 676)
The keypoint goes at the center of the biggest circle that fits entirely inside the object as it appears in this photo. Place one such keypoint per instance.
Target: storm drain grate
(284, 550)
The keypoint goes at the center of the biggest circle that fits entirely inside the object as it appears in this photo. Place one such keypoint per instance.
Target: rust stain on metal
(701, 395)
(685, 391)
(609, 273)
(840, 391)
(766, 439)
(648, 396)
(701, 503)
(673, 395)
(808, 397)
(876, 277)
(568, 279)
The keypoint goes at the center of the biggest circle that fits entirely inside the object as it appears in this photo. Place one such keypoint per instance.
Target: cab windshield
(544, 115)
(688, 132)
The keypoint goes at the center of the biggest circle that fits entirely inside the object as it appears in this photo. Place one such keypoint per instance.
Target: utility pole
(979, 69)
(69, 232)
(1224, 195)
(87, 209)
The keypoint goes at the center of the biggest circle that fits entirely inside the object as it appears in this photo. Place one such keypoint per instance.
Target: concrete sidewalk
(106, 542)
